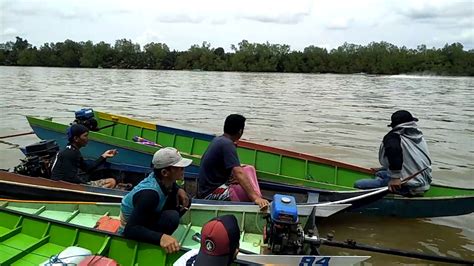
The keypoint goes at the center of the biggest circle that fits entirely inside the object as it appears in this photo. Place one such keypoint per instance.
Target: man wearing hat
(151, 211)
(219, 244)
(402, 153)
(69, 161)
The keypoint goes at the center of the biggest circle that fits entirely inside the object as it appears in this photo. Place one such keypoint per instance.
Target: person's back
(216, 165)
(403, 152)
(221, 177)
(415, 156)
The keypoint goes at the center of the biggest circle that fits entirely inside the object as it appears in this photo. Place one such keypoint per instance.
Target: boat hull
(274, 165)
(14, 186)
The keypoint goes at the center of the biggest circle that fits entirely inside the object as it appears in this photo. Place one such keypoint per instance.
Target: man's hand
(262, 203)
(169, 243)
(394, 184)
(183, 198)
(109, 153)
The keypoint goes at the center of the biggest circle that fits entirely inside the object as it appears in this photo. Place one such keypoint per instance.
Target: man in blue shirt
(151, 211)
(221, 177)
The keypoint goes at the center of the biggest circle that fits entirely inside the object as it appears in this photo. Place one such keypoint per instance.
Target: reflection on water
(342, 117)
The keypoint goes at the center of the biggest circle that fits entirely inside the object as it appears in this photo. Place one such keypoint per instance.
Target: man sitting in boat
(219, 244)
(402, 153)
(221, 177)
(151, 211)
(69, 161)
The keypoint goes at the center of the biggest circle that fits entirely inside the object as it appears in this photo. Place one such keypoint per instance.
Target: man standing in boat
(402, 153)
(221, 177)
(151, 211)
(68, 162)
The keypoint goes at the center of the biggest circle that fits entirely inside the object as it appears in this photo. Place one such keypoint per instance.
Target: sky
(298, 23)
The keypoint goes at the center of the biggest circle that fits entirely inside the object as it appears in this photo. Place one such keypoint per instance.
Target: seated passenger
(151, 211)
(69, 161)
(221, 177)
(403, 152)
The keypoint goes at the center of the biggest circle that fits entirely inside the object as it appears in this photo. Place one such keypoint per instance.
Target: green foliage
(374, 58)
(155, 55)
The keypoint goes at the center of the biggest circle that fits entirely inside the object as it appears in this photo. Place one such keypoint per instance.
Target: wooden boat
(31, 233)
(273, 164)
(15, 186)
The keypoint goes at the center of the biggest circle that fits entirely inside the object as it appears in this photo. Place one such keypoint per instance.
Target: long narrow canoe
(32, 232)
(35, 188)
(272, 164)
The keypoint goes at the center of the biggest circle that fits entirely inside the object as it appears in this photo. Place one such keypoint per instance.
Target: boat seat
(4, 230)
(313, 197)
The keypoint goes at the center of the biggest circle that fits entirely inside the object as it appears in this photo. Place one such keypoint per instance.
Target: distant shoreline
(380, 58)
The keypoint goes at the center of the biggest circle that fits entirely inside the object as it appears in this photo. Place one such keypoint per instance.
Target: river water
(341, 117)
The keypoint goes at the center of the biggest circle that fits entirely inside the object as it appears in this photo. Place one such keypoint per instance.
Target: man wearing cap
(68, 162)
(219, 244)
(151, 211)
(221, 176)
(402, 153)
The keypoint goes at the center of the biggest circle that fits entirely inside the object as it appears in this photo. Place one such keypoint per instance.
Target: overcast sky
(298, 23)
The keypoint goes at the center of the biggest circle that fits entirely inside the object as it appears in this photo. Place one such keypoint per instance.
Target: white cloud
(9, 32)
(149, 36)
(299, 23)
(420, 10)
(339, 23)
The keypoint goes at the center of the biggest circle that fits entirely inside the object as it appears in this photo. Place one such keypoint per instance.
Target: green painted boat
(272, 164)
(31, 232)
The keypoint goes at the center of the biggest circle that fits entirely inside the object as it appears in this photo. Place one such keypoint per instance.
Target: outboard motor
(39, 159)
(283, 233)
(85, 117)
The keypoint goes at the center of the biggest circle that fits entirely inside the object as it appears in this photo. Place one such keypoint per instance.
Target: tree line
(374, 58)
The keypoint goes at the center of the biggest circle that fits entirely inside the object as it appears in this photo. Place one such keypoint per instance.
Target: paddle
(31, 132)
(381, 191)
(351, 244)
(17, 135)
(311, 237)
(406, 179)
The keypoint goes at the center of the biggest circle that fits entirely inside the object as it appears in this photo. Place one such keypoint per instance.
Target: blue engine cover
(84, 114)
(284, 209)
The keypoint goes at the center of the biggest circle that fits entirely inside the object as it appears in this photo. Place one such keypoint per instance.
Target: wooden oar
(406, 179)
(374, 192)
(351, 244)
(17, 135)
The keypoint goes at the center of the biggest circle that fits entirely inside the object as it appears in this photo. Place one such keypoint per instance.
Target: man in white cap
(151, 211)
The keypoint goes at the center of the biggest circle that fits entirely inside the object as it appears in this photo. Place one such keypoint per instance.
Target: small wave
(422, 76)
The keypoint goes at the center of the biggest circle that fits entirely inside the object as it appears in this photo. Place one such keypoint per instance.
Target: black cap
(400, 117)
(76, 130)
